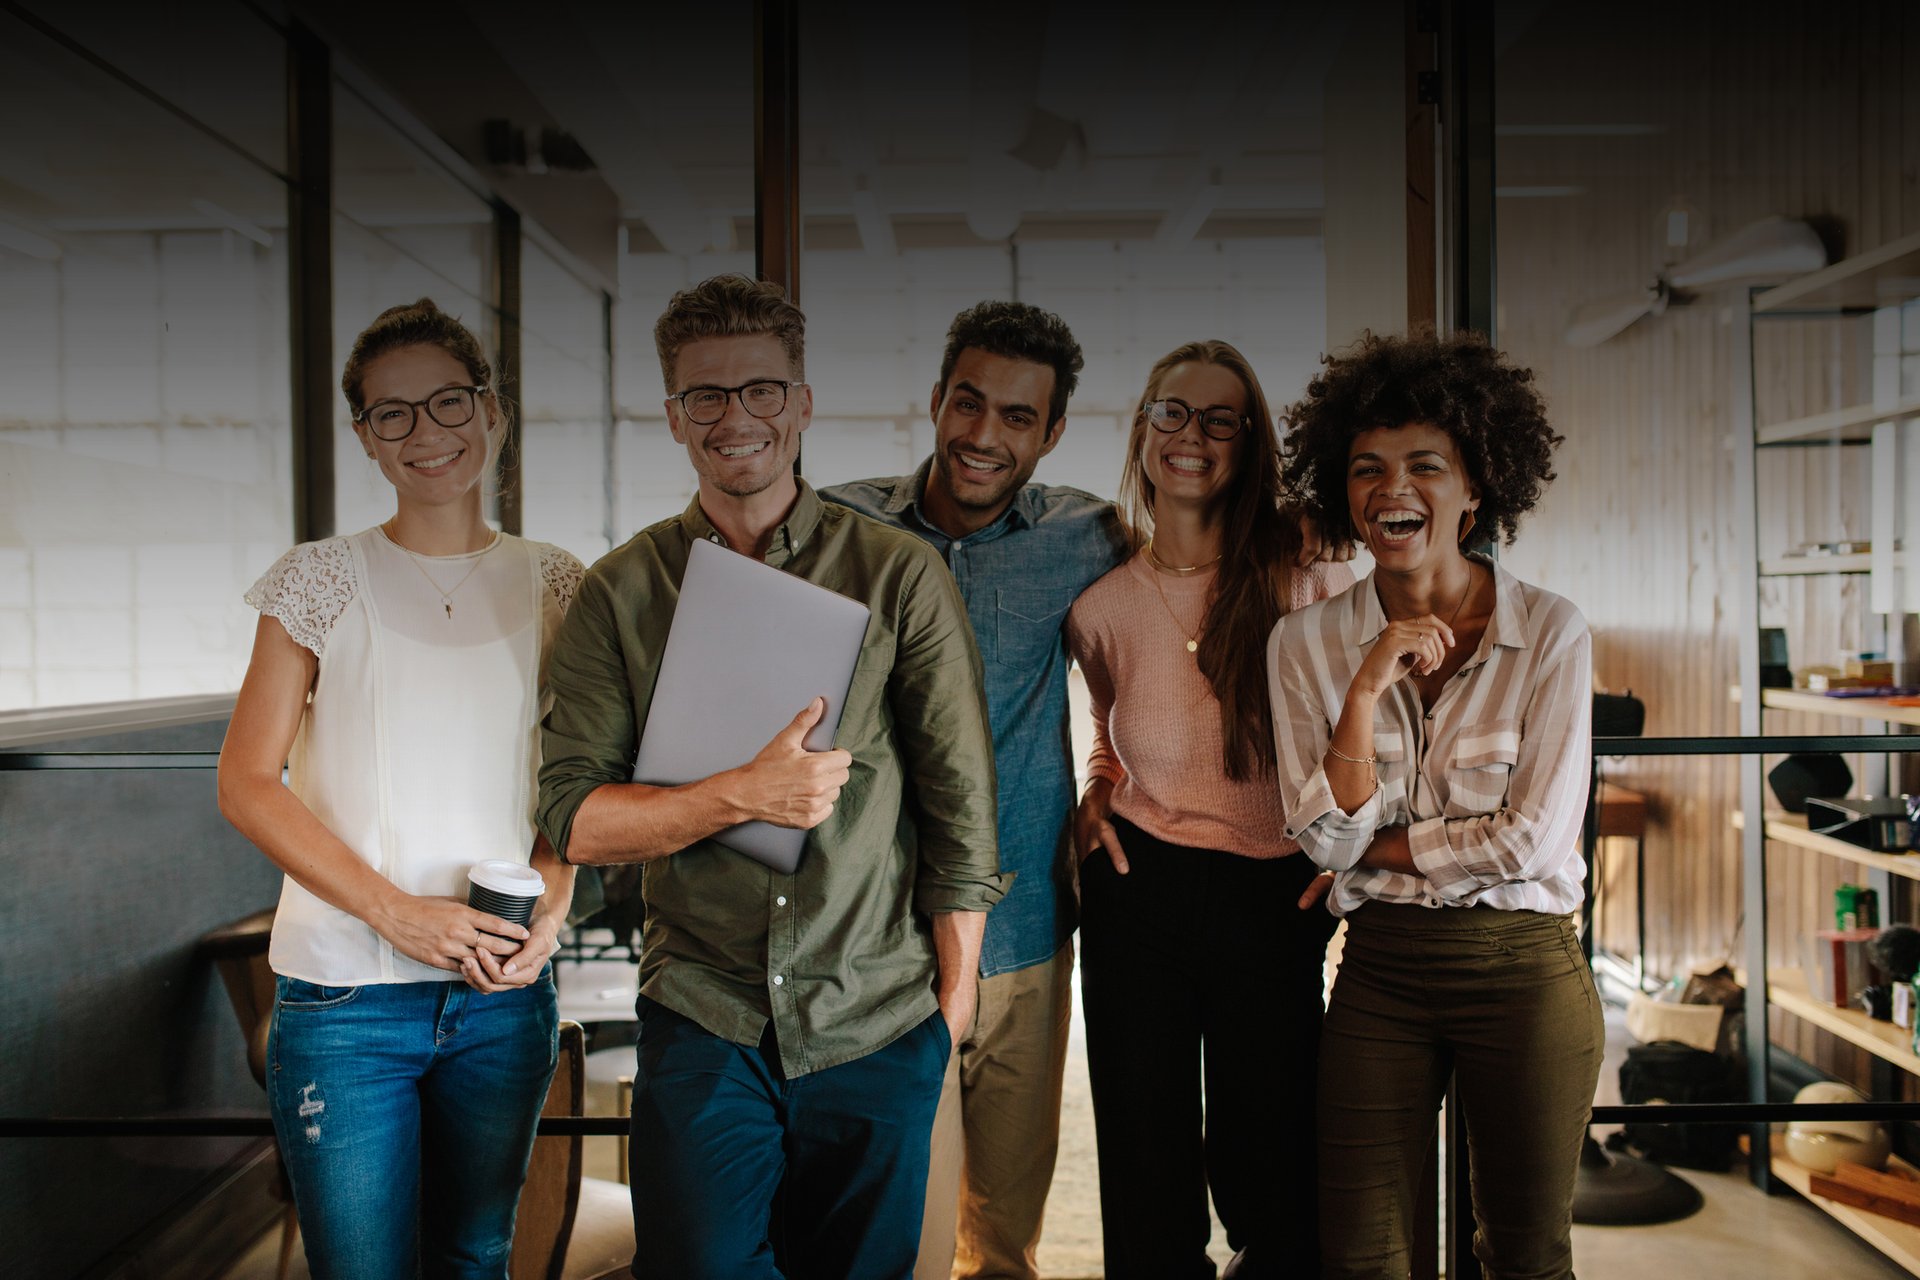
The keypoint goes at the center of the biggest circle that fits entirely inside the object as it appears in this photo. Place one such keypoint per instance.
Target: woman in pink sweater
(1196, 967)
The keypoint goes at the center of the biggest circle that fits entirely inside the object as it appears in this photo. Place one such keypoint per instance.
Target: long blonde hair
(1258, 545)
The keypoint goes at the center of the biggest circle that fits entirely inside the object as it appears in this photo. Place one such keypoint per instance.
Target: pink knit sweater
(1156, 723)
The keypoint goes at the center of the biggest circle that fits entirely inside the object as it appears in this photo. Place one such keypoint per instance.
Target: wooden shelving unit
(1791, 828)
(1880, 277)
(1856, 290)
(1858, 708)
(1819, 424)
(1797, 566)
(1787, 989)
(1897, 1240)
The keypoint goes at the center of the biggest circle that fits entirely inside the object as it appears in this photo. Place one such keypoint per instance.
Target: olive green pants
(1504, 1003)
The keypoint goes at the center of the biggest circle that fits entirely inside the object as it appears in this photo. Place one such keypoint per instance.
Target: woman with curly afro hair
(1432, 730)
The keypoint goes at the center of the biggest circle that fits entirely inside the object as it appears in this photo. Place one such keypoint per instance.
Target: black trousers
(1201, 983)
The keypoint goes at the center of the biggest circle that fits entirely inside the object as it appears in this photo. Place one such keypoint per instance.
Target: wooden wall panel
(1759, 109)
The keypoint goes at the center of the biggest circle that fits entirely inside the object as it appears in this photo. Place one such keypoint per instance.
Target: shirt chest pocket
(1482, 764)
(1390, 766)
(1026, 626)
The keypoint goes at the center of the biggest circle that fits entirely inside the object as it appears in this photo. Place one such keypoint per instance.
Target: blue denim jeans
(740, 1173)
(406, 1115)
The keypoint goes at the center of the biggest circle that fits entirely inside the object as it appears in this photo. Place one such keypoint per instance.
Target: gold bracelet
(1368, 760)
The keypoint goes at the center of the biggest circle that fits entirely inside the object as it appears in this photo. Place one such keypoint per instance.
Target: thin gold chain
(446, 593)
(1193, 640)
(1178, 570)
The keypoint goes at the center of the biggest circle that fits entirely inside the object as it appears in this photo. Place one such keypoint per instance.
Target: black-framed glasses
(761, 398)
(1217, 421)
(392, 420)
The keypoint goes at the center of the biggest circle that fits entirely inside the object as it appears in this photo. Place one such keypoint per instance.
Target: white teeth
(429, 464)
(974, 465)
(741, 450)
(1399, 526)
(1192, 466)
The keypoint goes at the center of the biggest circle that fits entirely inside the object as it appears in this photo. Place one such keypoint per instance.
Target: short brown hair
(417, 324)
(730, 306)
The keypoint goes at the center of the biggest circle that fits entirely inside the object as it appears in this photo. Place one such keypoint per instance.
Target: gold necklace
(1193, 641)
(445, 593)
(1177, 570)
(1458, 607)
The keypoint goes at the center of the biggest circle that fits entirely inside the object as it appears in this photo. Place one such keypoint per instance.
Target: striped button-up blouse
(1491, 783)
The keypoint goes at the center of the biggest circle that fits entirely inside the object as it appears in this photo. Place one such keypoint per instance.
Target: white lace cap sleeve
(561, 571)
(307, 590)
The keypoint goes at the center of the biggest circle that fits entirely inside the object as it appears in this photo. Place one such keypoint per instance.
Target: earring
(1468, 528)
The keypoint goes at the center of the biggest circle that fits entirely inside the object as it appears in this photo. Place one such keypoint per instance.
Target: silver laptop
(750, 647)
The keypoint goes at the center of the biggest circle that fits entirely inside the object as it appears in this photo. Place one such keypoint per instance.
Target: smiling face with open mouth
(740, 456)
(1188, 466)
(432, 464)
(990, 431)
(1408, 492)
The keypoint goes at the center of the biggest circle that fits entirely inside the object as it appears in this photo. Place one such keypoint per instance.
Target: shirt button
(714, 537)
(779, 981)
(779, 902)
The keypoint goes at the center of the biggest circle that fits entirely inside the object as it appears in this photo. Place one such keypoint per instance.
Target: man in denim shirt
(1021, 553)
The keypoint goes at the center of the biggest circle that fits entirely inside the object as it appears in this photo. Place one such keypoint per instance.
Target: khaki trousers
(998, 1128)
(1504, 1003)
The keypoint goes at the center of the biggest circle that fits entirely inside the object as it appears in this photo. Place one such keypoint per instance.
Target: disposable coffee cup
(509, 890)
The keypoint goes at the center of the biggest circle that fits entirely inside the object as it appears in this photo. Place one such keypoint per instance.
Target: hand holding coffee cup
(509, 890)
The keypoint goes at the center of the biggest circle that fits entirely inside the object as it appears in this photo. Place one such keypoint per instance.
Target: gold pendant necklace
(1193, 640)
(445, 593)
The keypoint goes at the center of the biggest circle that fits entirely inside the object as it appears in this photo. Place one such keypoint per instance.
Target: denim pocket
(1027, 624)
(297, 995)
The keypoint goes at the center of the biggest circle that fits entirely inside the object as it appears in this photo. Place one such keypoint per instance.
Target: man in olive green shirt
(794, 1029)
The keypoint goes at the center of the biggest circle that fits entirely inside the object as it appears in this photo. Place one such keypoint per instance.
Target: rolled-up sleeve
(588, 737)
(1302, 729)
(1538, 826)
(938, 694)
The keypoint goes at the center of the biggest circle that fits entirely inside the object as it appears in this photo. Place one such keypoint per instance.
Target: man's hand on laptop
(790, 786)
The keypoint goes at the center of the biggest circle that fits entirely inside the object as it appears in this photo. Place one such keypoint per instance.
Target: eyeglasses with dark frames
(1217, 421)
(392, 420)
(761, 398)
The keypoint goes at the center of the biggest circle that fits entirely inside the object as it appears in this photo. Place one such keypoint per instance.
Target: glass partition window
(1045, 163)
(144, 434)
(403, 228)
(566, 428)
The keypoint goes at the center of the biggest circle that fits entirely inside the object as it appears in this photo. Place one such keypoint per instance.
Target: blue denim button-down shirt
(1018, 576)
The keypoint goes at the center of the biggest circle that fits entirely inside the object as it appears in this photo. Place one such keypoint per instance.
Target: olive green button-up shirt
(839, 955)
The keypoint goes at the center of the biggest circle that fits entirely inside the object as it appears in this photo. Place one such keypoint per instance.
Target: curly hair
(1019, 331)
(1458, 383)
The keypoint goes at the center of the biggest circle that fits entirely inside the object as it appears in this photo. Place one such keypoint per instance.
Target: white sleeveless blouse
(420, 743)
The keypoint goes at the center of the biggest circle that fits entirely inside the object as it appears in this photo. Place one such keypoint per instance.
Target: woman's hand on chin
(1413, 646)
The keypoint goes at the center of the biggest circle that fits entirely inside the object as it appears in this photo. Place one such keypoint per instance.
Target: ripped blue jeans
(406, 1115)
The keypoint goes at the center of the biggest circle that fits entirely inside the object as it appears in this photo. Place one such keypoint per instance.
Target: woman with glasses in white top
(399, 674)
(1432, 725)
